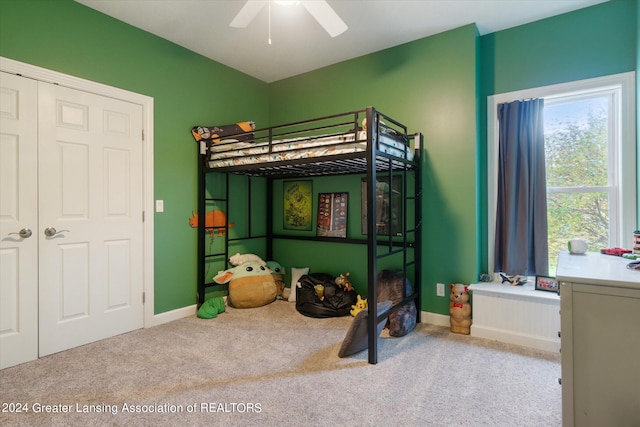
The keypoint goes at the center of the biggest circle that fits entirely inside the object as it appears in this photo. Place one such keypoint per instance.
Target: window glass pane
(576, 150)
(576, 142)
(581, 215)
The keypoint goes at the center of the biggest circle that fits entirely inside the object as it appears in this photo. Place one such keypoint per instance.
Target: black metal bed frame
(369, 162)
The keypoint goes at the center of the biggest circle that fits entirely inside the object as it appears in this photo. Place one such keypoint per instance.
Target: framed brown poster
(332, 214)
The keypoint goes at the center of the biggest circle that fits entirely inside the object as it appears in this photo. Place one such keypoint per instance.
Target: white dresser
(600, 340)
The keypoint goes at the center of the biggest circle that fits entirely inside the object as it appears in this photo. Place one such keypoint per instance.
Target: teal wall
(591, 42)
(187, 88)
(437, 85)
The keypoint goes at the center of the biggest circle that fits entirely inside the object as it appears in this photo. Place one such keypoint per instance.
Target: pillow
(242, 131)
(356, 339)
(393, 287)
(296, 274)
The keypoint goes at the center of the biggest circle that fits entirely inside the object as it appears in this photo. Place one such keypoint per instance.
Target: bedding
(234, 152)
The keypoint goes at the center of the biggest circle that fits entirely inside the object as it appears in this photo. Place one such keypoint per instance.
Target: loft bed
(363, 142)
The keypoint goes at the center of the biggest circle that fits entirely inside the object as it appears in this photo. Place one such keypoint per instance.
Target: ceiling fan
(319, 9)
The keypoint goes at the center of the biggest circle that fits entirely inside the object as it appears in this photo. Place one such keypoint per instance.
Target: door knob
(25, 233)
(50, 231)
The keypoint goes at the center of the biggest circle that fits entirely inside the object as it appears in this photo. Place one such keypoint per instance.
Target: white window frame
(622, 86)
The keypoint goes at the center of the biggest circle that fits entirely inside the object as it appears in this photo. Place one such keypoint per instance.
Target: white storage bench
(516, 314)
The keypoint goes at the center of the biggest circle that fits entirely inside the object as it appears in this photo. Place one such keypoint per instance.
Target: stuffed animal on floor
(343, 281)
(211, 308)
(213, 220)
(460, 309)
(360, 305)
(277, 271)
(238, 259)
(250, 285)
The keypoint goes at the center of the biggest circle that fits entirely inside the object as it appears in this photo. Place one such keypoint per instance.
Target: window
(590, 162)
(580, 160)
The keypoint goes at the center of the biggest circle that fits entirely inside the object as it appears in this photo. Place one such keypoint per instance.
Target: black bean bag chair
(336, 302)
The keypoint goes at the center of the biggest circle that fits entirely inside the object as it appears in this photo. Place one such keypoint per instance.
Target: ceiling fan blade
(326, 16)
(247, 13)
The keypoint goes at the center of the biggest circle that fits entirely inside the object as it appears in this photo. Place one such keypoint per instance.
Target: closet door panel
(18, 218)
(91, 194)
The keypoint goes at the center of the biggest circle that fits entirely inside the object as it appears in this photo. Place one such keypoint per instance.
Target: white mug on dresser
(577, 246)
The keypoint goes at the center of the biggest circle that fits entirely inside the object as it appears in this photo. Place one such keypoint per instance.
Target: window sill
(525, 292)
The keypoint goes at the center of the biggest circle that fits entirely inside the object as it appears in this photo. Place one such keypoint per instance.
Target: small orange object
(214, 220)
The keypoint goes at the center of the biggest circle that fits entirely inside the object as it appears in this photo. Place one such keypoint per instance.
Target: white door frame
(42, 74)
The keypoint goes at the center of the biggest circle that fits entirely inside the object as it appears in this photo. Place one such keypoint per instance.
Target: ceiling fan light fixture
(286, 2)
(319, 9)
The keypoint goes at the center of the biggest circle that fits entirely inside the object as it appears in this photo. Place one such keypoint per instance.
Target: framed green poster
(298, 203)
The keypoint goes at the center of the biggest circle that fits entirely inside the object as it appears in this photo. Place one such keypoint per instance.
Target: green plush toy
(211, 308)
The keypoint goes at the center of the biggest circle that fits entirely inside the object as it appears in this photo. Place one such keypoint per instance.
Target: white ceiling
(300, 44)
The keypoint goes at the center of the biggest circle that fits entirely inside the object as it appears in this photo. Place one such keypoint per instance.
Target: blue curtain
(521, 216)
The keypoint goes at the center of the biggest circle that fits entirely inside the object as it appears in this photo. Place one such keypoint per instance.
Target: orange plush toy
(214, 220)
(343, 281)
(460, 309)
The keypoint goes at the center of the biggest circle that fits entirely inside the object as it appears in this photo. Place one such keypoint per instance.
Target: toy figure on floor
(250, 285)
(460, 309)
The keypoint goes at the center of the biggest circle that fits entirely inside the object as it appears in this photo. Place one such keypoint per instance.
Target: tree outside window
(579, 184)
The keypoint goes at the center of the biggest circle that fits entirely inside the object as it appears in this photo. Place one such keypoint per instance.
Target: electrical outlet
(440, 289)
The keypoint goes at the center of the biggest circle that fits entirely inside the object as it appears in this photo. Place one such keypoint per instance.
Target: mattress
(228, 153)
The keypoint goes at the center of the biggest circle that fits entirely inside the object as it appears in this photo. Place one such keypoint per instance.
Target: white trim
(170, 316)
(50, 76)
(518, 338)
(435, 318)
(625, 81)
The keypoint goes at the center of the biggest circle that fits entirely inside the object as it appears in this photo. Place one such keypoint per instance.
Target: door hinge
(142, 216)
(143, 297)
(143, 134)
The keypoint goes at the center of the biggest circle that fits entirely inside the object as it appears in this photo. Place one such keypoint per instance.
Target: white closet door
(90, 193)
(18, 211)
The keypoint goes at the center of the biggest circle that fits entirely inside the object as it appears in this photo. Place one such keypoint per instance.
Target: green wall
(187, 88)
(437, 85)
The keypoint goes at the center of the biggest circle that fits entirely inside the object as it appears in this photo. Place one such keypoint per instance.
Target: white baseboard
(512, 337)
(170, 316)
(434, 318)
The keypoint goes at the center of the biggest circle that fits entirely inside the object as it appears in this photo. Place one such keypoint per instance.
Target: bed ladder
(203, 202)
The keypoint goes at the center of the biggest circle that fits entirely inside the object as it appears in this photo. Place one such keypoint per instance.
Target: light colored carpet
(272, 366)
